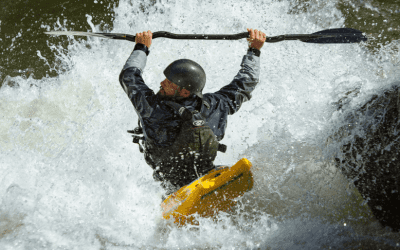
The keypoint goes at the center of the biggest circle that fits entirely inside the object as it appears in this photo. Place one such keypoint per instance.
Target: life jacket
(190, 156)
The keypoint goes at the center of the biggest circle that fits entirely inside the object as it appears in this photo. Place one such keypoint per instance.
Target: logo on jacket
(198, 123)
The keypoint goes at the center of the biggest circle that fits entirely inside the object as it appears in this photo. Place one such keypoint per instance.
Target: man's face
(169, 88)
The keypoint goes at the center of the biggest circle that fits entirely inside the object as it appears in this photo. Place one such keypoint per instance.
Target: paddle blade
(102, 35)
(74, 33)
(343, 35)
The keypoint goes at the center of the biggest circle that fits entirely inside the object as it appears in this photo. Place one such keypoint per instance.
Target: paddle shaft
(238, 36)
(341, 35)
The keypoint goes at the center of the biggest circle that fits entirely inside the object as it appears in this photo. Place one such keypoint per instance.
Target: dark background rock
(370, 153)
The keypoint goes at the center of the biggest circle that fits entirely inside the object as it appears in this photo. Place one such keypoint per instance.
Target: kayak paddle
(342, 35)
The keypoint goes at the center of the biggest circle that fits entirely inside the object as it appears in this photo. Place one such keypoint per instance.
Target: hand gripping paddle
(342, 35)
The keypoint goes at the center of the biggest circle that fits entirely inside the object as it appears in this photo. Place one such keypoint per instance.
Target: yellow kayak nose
(210, 194)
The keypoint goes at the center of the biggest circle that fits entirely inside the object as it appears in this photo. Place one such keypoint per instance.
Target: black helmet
(187, 74)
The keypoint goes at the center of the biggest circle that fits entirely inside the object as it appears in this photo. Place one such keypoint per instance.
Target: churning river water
(70, 177)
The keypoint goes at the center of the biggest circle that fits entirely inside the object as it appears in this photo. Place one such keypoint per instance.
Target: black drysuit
(161, 124)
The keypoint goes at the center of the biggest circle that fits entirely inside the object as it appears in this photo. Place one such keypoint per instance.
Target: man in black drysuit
(181, 126)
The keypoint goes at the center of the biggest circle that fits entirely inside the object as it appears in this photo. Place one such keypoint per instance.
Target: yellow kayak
(210, 194)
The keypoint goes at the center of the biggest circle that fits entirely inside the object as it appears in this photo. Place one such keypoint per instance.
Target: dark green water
(381, 20)
(22, 31)
(22, 27)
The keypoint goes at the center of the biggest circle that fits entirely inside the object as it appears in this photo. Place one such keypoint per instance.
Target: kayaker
(182, 127)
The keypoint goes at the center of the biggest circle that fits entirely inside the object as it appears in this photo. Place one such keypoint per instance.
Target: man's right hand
(144, 38)
(257, 38)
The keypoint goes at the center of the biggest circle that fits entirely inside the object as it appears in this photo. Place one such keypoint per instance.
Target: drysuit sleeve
(239, 90)
(132, 82)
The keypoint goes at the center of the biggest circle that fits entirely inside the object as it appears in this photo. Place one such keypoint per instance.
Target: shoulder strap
(202, 109)
(184, 113)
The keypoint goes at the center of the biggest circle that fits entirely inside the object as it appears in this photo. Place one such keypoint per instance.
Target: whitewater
(71, 178)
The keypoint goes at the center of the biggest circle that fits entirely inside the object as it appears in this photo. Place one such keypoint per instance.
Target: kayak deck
(214, 192)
